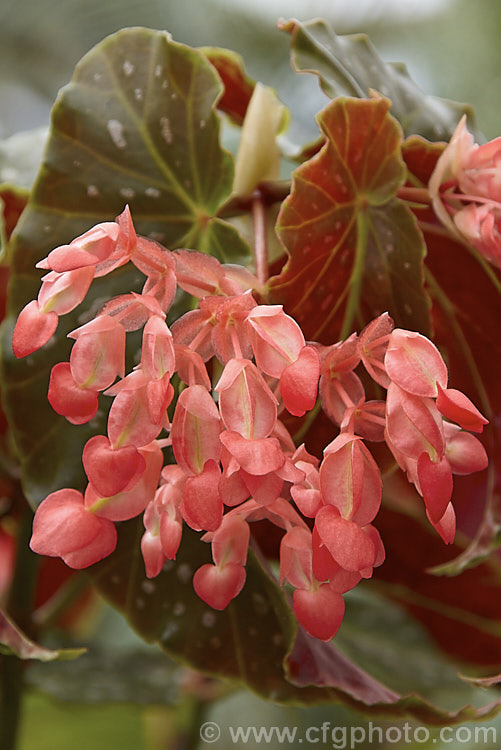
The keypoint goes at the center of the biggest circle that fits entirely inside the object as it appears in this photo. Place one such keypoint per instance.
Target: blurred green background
(450, 46)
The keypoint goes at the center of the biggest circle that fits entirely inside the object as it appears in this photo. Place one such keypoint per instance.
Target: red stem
(260, 240)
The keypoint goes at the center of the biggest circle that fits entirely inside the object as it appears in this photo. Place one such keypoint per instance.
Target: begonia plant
(255, 423)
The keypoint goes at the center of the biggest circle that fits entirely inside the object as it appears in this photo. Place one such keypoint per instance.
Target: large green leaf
(254, 641)
(136, 125)
(350, 66)
(355, 251)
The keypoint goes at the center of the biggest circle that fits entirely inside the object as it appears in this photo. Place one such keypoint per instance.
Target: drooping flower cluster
(235, 367)
(465, 188)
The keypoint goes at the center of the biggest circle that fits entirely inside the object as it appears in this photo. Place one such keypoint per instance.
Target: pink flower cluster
(236, 366)
(465, 188)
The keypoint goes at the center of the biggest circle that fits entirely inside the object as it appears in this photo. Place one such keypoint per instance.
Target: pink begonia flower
(33, 329)
(481, 226)
(67, 398)
(276, 338)
(414, 424)
(134, 498)
(246, 402)
(111, 470)
(152, 551)
(62, 527)
(62, 292)
(445, 526)
(190, 367)
(229, 334)
(465, 188)
(133, 310)
(414, 363)
(195, 431)
(299, 382)
(193, 331)
(373, 343)
(367, 420)
(258, 456)
(350, 547)
(339, 387)
(319, 610)
(217, 585)
(457, 407)
(350, 479)
(157, 354)
(202, 506)
(435, 483)
(230, 543)
(464, 452)
(89, 249)
(201, 275)
(133, 419)
(98, 354)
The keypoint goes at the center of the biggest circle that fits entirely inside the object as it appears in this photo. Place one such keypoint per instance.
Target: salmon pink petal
(195, 430)
(435, 481)
(373, 343)
(345, 540)
(101, 546)
(464, 452)
(324, 565)
(296, 558)
(276, 338)
(202, 507)
(299, 382)
(130, 502)
(445, 526)
(153, 554)
(33, 329)
(350, 480)
(457, 407)
(67, 398)
(246, 402)
(263, 489)
(414, 363)
(320, 611)
(230, 543)
(171, 531)
(62, 292)
(62, 524)
(254, 456)
(157, 354)
(218, 586)
(110, 470)
(98, 355)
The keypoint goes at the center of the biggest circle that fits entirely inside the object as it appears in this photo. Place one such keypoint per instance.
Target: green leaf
(14, 641)
(254, 641)
(355, 251)
(136, 125)
(350, 66)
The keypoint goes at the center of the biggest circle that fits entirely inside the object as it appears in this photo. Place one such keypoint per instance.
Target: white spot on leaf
(128, 68)
(152, 192)
(116, 131)
(165, 129)
(127, 192)
(92, 191)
